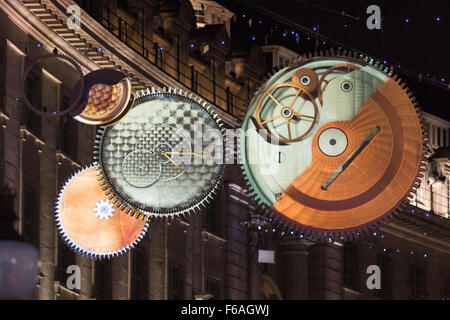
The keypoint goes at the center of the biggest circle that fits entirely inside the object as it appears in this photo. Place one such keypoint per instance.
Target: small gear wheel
(104, 209)
(351, 170)
(164, 158)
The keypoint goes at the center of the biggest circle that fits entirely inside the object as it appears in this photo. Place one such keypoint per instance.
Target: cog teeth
(66, 237)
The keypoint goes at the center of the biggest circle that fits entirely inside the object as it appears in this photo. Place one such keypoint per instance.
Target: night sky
(414, 35)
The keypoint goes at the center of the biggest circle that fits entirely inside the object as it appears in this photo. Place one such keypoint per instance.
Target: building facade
(212, 254)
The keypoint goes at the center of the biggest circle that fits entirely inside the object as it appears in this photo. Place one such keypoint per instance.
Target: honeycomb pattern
(140, 168)
(170, 122)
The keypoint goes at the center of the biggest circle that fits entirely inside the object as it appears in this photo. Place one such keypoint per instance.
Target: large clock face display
(165, 157)
(332, 144)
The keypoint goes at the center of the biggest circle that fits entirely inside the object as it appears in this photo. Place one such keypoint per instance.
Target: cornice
(125, 55)
(95, 35)
(31, 24)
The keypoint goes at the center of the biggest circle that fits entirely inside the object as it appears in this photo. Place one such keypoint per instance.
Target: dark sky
(421, 45)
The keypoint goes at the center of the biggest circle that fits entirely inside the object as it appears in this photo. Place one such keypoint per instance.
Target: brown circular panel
(89, 222)
(107, 103)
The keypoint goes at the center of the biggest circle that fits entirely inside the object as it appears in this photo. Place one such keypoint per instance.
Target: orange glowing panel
(107, 104)
(348, 148)
(90, 223)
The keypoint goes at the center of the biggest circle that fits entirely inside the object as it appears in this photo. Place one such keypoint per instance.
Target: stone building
(211, 254)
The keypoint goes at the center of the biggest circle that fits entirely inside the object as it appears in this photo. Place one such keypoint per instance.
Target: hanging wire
(332, 42)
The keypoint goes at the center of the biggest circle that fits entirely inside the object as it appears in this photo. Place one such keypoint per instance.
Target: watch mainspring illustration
(351, 145)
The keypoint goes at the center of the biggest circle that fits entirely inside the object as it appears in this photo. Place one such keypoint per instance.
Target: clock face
(165, 157)
(331, 144)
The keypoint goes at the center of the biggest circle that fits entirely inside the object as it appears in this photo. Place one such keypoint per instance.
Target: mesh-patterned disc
(141, 169)
(165, 156)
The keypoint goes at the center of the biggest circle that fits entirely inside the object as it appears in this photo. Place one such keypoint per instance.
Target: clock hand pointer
(201, 154)
(178, 167)
(352, 157)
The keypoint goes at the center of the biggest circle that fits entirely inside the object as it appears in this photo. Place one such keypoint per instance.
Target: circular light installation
(352, 152)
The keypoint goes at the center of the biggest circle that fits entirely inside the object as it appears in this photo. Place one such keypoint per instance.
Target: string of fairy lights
(312, 34)
(263, 225)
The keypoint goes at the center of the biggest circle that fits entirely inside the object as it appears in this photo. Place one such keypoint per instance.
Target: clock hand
(196, 154)
(178, 167)
(352, 157)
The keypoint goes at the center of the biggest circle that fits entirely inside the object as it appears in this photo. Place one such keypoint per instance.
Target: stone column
(236, 247)
(120, 277)
(292, 257)
(326, 271)
(156, 261)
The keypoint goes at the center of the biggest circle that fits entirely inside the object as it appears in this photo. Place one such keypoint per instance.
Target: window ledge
(25, 134)
(61, 156)
(60, 287)
(351, 291)
(207, 235)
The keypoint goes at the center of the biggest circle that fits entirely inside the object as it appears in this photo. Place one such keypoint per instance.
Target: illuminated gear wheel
(283, 111)
(154, 161)
(90, 224)
(358, 165)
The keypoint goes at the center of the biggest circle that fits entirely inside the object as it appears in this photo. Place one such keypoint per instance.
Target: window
(350, 266)
(175, 291)
(446, 295)
(417, 278)
(122, 4)
(139, 274)
(213, 288)
(69, 137)
(448, 136)
(439, 136)
(66, 258)
(384, 262)
(211, 217)
(444, 136)
(30, 119)
(200, 15)
(30, 218)
(434, 130)
(269, 60)
(102, 289)
(2, 156)
(2, 75)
